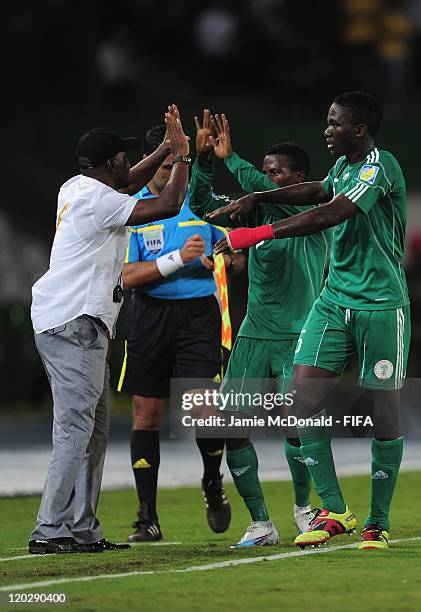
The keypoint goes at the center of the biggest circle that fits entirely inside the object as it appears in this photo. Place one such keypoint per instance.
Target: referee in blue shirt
(173, 330)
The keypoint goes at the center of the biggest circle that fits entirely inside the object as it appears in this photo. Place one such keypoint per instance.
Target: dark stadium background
(272, 66)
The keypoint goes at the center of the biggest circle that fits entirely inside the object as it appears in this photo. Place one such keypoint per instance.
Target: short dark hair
(153, 138)
(364, 109)
(299, 158)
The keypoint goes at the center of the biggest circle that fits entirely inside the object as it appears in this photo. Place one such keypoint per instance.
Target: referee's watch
(182, 158)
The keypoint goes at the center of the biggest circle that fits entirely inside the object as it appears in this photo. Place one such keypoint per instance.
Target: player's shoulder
(81, 185)
(379, 164)
(71, 182)
(390, 164)
(382, 157)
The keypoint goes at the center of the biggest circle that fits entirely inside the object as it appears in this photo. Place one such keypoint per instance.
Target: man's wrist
(185, 159)
(163, 149)
(232, 160)
(245, 237)
(169, 263)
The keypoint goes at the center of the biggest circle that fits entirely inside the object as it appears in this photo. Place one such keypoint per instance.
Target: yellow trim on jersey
(141, 230)
(189, 223)
(126, 259)
(123, 368)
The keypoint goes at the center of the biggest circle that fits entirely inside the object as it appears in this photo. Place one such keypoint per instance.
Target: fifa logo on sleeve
(368, 174)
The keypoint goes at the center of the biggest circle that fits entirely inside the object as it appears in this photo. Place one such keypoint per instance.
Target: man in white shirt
(74, 310)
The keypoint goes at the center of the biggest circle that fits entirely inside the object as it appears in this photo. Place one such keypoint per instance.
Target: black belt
(100, 323)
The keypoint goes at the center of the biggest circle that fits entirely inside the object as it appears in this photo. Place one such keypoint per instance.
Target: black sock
(144, 451)
(211, 450)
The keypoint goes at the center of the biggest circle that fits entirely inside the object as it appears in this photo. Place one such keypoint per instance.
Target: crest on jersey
(368, 174)
(154, 241)
(383, 369)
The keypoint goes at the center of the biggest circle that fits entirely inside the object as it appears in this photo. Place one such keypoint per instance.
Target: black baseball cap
(100, 144)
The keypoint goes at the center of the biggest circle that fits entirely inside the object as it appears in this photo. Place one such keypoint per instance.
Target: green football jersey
(365, 271)
(285, 276)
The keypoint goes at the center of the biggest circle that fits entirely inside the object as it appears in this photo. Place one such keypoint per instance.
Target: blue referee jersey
(149, 241)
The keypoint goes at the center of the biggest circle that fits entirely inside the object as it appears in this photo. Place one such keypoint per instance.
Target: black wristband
(182, 158)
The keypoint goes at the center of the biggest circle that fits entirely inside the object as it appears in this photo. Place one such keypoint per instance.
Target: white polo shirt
(87, 256)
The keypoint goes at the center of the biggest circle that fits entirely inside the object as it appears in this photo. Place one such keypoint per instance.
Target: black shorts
(170, 339)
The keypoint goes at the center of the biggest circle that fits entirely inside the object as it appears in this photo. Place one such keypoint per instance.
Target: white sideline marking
(54, 554)
(25, 557)
(131, 544)
(193, 568)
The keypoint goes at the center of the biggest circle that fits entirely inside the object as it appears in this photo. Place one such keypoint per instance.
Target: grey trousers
(74, 357)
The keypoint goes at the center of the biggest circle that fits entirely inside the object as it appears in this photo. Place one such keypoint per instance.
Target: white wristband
(169, 263)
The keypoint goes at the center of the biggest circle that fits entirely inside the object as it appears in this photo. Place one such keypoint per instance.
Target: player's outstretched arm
(169, 202)
(299, 194)
(203, 201)
(202, 198)
(303, 224)
(247, 175)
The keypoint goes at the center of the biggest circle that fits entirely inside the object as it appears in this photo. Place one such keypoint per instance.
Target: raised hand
(204, 135)
(242, 207)
(178, 140)
(222, 144)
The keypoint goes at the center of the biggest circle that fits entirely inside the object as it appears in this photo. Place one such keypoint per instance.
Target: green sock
(317, 452)
(300, 475)
(243, 466)
(386, 457)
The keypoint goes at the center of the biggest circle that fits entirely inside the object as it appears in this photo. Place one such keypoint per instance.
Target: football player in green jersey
(285, 278)
(363, 307)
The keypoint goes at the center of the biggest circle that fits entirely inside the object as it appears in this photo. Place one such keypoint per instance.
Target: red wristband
(248, 236)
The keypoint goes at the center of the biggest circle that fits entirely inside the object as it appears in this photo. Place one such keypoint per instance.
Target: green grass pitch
(345, 579)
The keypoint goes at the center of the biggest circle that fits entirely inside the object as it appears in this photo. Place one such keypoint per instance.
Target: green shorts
(332, 334)
(252, 363)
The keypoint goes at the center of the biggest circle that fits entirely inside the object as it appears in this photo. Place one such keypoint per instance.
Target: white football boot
(259, 533)
(302, 517)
